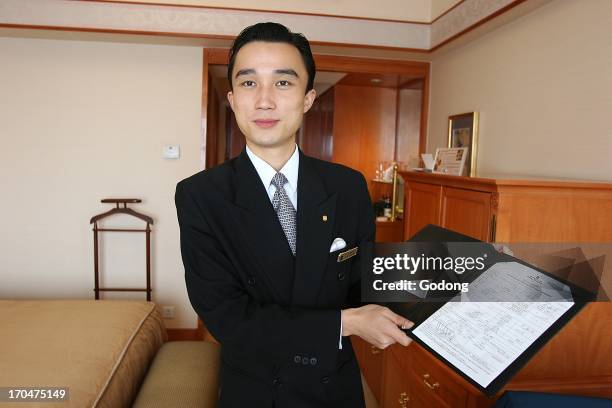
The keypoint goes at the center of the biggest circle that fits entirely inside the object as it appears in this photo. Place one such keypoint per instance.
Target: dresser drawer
(421, 397)
(396, 392)
(403, 355)
(429, 378)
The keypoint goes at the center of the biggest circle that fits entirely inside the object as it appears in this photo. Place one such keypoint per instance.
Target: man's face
(269, 81)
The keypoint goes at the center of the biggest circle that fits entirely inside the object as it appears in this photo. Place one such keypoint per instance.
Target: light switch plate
(171, 152)
(168, 312)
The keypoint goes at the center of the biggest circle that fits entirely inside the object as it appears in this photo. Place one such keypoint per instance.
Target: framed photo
(463, 132)
(450, 161)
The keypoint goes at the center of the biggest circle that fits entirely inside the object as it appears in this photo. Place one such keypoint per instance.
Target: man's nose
(265, 98)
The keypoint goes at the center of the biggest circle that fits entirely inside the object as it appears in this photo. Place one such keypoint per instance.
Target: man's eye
(283, 83)
(248, 84)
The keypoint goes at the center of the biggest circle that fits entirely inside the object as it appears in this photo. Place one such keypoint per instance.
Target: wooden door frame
(333, 63)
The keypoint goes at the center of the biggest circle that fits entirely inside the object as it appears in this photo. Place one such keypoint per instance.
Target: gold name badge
(343, 256)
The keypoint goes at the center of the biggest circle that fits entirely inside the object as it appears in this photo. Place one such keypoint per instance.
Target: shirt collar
(267, 172)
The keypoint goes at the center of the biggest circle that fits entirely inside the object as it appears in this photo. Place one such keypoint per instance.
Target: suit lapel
(263, 233)
(313, 233)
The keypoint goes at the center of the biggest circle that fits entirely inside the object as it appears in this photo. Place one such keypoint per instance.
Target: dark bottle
(387, 208)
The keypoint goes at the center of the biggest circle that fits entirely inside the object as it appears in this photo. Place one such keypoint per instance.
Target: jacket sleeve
(234, 318)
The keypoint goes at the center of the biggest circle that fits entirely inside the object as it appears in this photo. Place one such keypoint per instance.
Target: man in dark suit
(270, 242)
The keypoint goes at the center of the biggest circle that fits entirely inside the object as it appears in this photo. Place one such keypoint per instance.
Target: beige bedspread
(100, 350)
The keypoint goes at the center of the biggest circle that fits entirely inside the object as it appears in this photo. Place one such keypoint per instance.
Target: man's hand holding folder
(377, 325)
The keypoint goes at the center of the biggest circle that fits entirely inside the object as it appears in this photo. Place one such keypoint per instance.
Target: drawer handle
(428, 384)
(403, 400)
(375, 350)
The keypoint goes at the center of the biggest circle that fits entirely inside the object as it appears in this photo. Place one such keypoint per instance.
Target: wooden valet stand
(121, 210)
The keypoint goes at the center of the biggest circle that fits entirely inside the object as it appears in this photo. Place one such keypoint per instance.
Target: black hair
(273, 32)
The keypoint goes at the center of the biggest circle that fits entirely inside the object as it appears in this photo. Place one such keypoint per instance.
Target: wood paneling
(467, 212)
(327, 124)
(379, 189)
(212, 127)
(316, 135)
(432, 382)
(336, 63)
(528, 214)
(387, 231)
(370, 360)
(396, 388)
(584, 356)
(310, 137)
(183, 334)
(422, 207)
(364, 127)
(218, 56)
(204, 108)
(424, 114)
(235, 138)
(526, 210)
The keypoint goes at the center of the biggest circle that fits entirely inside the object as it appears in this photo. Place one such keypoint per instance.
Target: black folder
(419, 312)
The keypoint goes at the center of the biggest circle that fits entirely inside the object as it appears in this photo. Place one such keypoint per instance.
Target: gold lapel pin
(324, 218)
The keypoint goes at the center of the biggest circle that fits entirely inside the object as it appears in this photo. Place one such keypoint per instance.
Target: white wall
(81, 121)
(543, 87)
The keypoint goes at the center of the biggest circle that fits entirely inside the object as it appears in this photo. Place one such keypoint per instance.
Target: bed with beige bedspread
(99, 349)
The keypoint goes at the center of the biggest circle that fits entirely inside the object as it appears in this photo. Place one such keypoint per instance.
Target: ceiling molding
(263, 10)
(216, 23)
(465, 15)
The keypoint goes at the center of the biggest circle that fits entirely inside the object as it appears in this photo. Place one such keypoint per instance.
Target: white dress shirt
(290, 170)
(267, 172)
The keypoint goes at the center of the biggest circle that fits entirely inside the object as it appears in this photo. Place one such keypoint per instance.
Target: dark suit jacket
(277, 317)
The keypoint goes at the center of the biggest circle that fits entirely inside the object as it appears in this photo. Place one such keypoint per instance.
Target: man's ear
(309, 99)
(230, 99)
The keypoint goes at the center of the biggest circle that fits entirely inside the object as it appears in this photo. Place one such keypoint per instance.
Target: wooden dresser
(578, 360)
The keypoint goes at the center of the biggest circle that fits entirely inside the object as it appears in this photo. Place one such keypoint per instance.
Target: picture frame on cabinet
(463, 132)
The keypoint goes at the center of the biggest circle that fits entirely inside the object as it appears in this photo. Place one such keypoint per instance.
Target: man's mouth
(266, 123)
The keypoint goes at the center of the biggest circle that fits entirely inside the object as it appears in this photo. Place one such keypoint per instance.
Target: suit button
(305, 360)
(277, 382)
(297, 359)
(313, 361)
(251, 280)
(325, 380)
(341, 276)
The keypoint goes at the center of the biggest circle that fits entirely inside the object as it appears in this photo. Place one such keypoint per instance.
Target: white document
(515, 282)
(483, 338)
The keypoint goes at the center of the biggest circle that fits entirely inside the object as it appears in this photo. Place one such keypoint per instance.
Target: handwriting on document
(482, 339)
